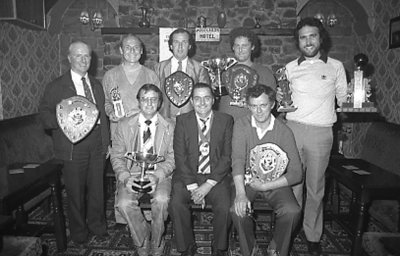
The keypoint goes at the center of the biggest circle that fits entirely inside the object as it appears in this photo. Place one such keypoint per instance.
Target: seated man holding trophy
(202, 148)
(265, 161)
(143, 160)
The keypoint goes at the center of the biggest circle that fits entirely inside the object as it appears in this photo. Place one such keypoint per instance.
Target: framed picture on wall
(394, 33)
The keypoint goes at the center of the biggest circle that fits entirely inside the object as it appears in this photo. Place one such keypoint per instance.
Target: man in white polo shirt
(315, 81)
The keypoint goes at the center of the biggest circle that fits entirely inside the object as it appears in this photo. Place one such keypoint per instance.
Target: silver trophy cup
(215, 67)
(146, 160)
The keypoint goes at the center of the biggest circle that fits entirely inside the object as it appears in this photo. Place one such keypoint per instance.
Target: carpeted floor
(335, 240)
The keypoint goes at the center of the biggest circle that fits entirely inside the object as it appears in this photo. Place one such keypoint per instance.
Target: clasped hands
(133, 180)
(198, 195)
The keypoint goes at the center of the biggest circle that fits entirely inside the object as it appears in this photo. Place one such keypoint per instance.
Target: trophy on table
(359, 90)
(146, 161)
(215, 67)
(237, 79)
(117, 102)
(286, 104)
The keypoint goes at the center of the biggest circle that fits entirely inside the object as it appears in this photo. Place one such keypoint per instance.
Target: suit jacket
(126, 137)
(186, 148)
(194, 70)
(63, 88)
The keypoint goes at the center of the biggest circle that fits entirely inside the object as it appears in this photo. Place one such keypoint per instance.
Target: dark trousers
(179, 210)
(83, 178)
(287, 212)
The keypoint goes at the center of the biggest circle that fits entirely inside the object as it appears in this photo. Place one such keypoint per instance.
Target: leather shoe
(314, 248)
(103, 237)
(191, 250)
(78, 244)
(144, 250)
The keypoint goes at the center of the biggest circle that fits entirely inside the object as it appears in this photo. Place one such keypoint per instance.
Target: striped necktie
(87, 91)
(204, 159)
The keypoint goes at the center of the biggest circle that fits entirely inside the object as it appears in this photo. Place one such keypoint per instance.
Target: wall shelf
(224, 31)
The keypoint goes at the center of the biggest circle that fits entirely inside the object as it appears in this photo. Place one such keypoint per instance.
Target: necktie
(87, 91)
(146, 137)
(204, 158)
(179, 65)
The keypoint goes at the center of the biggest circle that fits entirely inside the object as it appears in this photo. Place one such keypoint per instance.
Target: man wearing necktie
(202, 148)
(146, 132)
(181, 44)
(83, 161)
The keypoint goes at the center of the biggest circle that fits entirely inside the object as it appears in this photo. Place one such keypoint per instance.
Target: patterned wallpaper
(386, 76)
(29, 60)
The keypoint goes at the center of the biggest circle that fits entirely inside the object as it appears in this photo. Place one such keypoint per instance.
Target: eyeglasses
(151, 100)
(255, 107)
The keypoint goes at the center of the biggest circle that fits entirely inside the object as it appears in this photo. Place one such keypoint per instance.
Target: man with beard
(315, 80)
(180, 43)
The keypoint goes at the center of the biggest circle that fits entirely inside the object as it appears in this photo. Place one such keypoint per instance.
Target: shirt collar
(153, 120)
(323, 56)
(75, 76)
(175, 60)
(208, 117)
(270, 126)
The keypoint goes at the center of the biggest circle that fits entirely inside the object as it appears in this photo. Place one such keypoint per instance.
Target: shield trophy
(76, 117)
(178, 88)
(237, 79)
(286, 104)
(145, 160)
(215, 67)
(267, 163)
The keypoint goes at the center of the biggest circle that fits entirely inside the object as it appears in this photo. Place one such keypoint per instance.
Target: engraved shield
(76, 117)
(237, 79)
(267, 162)
(178, 88)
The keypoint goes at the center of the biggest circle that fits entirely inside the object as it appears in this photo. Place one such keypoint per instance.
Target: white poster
(164, 51)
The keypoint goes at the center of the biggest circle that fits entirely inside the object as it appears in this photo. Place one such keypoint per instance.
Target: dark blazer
(63, 88)
(186, 148)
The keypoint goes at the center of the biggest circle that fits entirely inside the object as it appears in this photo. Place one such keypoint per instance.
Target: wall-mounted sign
(164, 51)
(209, 34)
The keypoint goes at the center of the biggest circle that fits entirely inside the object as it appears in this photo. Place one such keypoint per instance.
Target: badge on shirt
(204, 148)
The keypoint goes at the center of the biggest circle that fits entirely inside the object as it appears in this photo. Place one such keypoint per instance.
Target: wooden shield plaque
(267, 162)
(76, 117)
(237, 79)
(178, 88)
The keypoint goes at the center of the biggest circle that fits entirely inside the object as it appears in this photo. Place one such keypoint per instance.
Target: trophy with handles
(145, 160)
(286, 104)
(215, 67)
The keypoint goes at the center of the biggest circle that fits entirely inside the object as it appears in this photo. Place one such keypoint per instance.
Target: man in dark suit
(84, 160)
(202, 148)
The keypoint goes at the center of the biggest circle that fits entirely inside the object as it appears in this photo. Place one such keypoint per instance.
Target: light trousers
(314, 144)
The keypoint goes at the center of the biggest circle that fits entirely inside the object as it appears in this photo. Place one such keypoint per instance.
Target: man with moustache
(127, 77)
(180, 43)
(83, 161)
(245, 45)
(202, 148)
(146, 132)
(315, 81)
(260, 136)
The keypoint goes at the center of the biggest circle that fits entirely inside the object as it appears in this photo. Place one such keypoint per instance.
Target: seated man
(202, 147)
(263, 144)
(146, 132)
